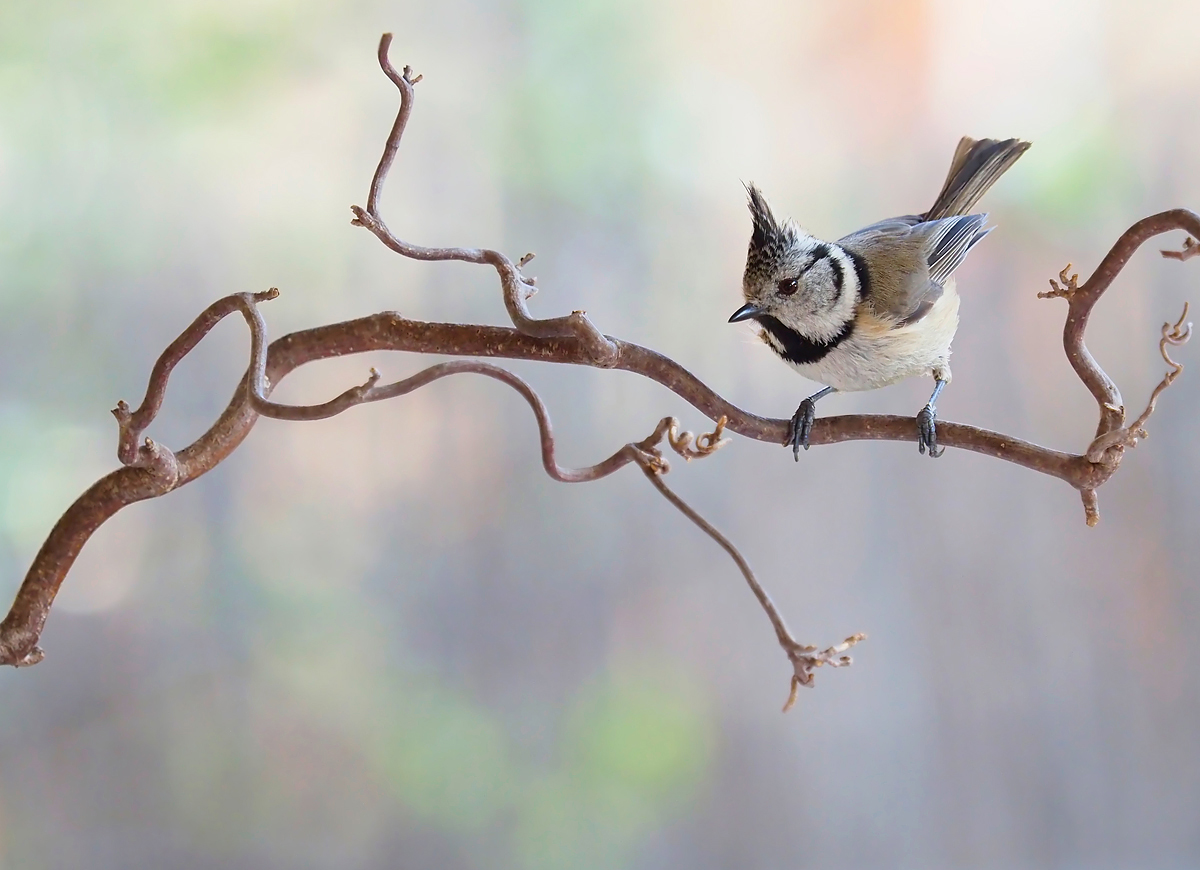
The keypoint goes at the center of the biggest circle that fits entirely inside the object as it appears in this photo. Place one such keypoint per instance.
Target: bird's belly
(875, 354)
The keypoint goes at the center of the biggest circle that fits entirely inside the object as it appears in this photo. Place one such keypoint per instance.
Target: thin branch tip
(385, 47)
(806, 659)
(1189, 249)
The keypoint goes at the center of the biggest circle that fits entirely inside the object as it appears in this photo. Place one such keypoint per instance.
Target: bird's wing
(947, 241)
(908, 260)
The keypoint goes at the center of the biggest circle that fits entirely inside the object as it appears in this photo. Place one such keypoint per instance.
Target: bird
(878, 305)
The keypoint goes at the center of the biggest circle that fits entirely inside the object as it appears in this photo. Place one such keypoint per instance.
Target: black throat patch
(798, 348)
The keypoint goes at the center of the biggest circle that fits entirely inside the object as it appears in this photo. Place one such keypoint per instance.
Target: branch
(517, 289)
(1112, 436)
(151, 470)
(804, 659)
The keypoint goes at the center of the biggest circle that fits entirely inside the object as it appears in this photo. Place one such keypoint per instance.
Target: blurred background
(389, 640)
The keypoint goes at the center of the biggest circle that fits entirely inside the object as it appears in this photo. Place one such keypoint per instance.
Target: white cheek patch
(834, 268)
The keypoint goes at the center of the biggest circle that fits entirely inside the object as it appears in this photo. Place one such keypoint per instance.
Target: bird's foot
(802, 423)
(927, 432)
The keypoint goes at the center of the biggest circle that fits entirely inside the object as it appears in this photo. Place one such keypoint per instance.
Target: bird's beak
(745, 313)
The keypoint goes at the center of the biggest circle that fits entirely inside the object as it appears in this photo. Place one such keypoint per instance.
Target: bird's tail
(976, 166)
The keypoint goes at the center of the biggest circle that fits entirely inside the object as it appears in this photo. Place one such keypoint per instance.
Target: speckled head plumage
(795, 277)
(770, 241)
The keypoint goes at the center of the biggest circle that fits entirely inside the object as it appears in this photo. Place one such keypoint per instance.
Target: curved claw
(927, 432)
(802, 423)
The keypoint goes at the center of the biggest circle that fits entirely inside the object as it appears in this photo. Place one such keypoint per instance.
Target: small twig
(1190, 249)
(1173, 335)
(404, 83)
(805, 659)
(1091, 507)
(1068, 288)
(517, 290)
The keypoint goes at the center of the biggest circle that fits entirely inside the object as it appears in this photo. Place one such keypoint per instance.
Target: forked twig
(1065, 290)
(805, 659)
(1190, 249)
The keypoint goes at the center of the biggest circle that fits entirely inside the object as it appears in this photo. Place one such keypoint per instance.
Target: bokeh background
(388, 640)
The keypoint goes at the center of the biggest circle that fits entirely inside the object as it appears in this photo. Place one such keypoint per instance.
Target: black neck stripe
(838, 275)
(819, 253)
(798, 348)
(860, 272)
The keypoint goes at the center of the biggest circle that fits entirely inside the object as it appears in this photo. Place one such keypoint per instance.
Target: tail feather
(976, 166)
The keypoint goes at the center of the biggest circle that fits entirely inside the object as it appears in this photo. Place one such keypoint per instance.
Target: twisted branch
(1107, 448)
(150, 470)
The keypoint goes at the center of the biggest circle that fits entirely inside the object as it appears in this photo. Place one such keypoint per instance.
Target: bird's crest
(766, 228)
(770, 241)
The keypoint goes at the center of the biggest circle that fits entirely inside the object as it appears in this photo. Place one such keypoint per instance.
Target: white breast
(877, 354)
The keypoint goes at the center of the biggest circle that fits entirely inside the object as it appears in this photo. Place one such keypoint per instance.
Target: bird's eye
(788, 286)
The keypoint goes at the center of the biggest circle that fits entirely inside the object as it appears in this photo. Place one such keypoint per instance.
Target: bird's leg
(802, 421)
(927, 420)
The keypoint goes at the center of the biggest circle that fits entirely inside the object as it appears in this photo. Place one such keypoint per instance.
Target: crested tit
(878, 305)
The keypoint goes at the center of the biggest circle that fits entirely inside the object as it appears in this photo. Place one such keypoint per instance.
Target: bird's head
(789, 275)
